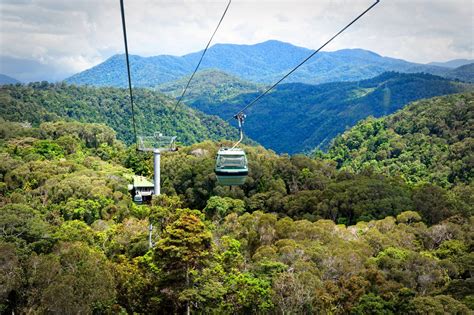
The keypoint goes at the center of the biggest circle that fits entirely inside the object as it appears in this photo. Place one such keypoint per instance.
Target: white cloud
(71, 36)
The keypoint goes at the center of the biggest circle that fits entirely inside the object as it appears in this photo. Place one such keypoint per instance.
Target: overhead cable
(302, 62)
(202, 56)
(128, 70)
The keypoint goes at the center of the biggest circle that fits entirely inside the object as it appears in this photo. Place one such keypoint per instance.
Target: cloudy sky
(52, 39)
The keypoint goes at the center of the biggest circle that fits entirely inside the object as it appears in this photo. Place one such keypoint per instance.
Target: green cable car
(231, 163)
(231, 166)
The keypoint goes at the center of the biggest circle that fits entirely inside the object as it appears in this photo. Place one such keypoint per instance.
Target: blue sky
(52, 39)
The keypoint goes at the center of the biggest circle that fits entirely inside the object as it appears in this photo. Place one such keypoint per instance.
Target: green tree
(182, 249)
(73, 279)
(218, 207)
(374, 305)
(23, 225)
(10, 278)
(440, 304)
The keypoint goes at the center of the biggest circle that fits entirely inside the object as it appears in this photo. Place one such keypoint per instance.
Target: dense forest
(210, 86)
(299, 117)
(328, 234)
(429, 141)
(463, 73)
(302, 116)
(42, 101)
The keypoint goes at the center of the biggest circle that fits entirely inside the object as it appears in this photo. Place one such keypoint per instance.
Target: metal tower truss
(157, 142)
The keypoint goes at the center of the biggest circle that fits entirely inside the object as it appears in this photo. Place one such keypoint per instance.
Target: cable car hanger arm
(240, 117)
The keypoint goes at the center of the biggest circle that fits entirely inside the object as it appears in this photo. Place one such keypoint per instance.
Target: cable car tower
(157, 144)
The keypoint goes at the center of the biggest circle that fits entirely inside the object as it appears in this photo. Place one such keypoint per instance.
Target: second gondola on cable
(231, 163)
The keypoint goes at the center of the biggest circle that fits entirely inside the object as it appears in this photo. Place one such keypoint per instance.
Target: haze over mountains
(452, 63)
(5, 79)
(263, 63)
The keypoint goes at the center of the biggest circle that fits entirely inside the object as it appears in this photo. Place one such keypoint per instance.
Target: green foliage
(79, 209)
(76, 231)
(451, 249)
(408, 217)
(48, 149)
(184, 242)
(429, 141)
(247, 294)
(181, 252)
(37, 103)
(208, 86)
(363, 199)
(10, 276)
(73, 279)
(440, 304)
(136, 284)
(373, 304)
(23, 225)
(298, 117)
(218, 207)
(72, 241)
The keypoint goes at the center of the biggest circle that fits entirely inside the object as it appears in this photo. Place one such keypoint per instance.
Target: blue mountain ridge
(5, 79)
(263, 63)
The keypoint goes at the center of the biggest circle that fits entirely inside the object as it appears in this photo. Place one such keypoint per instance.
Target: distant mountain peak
(358, 51)
(5, 79)
(264, 62)
(275, 42)
(455, 63)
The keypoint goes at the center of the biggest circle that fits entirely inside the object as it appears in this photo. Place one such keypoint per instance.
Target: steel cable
(302, 62)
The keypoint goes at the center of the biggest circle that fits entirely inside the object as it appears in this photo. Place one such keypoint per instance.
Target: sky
(53, 39)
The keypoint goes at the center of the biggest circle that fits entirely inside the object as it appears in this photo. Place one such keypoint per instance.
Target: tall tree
(181, 251)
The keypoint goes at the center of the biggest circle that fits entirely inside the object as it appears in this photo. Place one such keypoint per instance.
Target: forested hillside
(302, 235)
(5, 79)
(263, 63)
(427, 141)
(40, 102)
(298, 117)
(464, 73)
(209, 86)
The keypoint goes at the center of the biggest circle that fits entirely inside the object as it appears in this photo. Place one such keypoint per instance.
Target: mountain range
(298, 117)
(210, 85)
(262, 63)
(455, 63)
(5, 79)
(464, 73)
(329, 94)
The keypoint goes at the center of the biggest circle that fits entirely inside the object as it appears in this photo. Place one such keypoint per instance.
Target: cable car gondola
(231, 163)
(231, 166)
